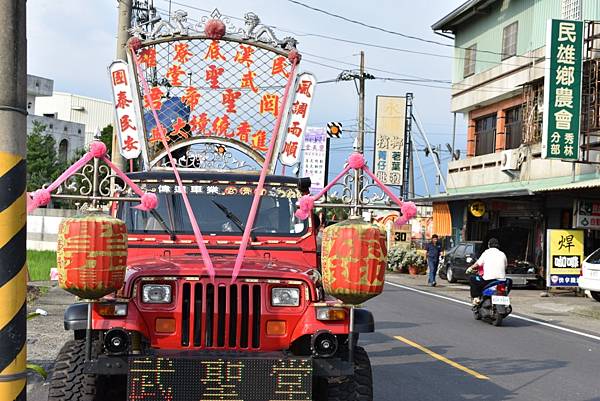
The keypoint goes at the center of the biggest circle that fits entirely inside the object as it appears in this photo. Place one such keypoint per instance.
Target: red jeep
(170, 333)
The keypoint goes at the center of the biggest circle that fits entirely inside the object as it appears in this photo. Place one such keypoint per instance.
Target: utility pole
(13, 199)
(360, 139)
(123, 26)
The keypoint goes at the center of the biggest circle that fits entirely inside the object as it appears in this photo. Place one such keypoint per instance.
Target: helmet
(493, 243)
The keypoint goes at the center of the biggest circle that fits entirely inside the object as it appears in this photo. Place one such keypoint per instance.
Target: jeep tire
(358, 387)
(68, 382)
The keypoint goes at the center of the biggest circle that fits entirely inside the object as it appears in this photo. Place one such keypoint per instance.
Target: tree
(337, 213)
(106, 136)
(43, 165)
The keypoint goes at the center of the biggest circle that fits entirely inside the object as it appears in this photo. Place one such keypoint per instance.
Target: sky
(74, 41)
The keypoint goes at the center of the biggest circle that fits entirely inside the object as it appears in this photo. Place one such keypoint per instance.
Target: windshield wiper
(162, 223)
(234, 219)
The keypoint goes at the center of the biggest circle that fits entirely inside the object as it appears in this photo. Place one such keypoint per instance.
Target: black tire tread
(358, 387)
(68, 382)
(595, 295)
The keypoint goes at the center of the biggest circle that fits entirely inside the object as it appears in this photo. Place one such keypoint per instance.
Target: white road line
(527, 319)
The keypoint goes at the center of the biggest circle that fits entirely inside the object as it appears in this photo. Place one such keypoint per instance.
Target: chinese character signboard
(314, 162)
(389, 139)
(564, 257)
(126, 110)
(216, 99)
(562, 90)
(587, 215)
(298, 117)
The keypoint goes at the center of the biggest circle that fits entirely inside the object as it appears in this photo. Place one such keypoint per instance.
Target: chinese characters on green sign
(562, 90)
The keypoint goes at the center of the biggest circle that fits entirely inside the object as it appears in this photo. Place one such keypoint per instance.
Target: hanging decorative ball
(353, 260)
(294, 56)
(215, 29)
(92, 255)
(134, 43)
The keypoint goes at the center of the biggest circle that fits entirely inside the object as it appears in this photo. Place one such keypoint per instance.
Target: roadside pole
(13, 200)
(360, 138)
(122, 37)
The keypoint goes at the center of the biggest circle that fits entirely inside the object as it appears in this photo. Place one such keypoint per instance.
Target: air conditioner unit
(510, 160)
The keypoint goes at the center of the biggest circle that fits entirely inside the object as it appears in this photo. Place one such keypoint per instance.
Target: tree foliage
(43, 165)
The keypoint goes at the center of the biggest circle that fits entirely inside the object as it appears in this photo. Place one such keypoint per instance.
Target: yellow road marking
(441, 358)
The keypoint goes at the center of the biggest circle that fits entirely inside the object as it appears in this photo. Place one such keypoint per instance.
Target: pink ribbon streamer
(355, 161)
(383, 187)
(195, 227)
(261, 180)
(42, 197)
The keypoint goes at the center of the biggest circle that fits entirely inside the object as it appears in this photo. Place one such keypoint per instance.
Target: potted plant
(396, 258)
(414, 262)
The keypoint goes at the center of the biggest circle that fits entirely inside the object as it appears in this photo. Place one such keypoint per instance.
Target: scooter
(495, 302)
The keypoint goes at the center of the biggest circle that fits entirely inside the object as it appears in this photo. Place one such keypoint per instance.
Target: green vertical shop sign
(562, 90)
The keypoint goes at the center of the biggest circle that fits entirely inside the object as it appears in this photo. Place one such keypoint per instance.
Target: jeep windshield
(219, 210)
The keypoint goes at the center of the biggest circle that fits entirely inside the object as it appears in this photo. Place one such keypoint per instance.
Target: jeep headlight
(285, 296)
(156, 293)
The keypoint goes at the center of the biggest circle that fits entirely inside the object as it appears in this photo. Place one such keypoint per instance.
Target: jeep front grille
(220, 315)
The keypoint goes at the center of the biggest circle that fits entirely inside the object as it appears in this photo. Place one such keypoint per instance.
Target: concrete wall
(73, 133)
(486, 169)
(94, 113)
(42, 228)
(496, 79)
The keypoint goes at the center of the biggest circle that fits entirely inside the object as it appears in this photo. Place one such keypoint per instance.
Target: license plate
(594, 274)
(500, 300)
(193, 379)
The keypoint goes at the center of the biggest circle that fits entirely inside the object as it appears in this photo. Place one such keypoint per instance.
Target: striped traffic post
(13, 200)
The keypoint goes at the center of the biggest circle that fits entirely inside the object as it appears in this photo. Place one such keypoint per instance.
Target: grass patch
(39, 264)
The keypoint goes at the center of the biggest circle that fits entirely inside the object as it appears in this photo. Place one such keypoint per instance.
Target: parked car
(456, 261)
(590, 275)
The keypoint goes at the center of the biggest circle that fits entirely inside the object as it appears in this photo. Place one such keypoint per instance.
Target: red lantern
(353, 260)
(92, 255)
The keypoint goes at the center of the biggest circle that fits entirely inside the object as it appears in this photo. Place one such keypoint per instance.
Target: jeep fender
(363, 323)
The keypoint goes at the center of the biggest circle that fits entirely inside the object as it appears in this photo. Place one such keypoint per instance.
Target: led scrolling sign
(165, 379)
(226, 93)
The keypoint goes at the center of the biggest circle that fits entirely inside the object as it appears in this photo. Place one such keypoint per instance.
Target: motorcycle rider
(493, 261)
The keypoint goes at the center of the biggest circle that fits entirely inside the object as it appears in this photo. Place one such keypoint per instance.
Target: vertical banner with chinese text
(126, 110)
(314, 162)
(562, 90)
(390, 133)
(298, 117)
(564, 249)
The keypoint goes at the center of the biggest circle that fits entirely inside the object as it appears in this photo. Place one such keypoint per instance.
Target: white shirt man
(493, 261)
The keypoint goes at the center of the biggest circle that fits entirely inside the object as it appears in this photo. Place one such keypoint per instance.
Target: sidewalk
(46, 335)
(562, 308)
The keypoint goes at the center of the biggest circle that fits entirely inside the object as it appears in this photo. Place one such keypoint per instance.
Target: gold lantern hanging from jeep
(354, 258)
(92, 255)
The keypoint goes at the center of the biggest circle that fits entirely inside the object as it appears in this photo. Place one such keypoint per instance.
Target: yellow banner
(565, 256)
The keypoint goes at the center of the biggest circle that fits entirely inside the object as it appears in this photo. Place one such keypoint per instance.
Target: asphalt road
(521, 360)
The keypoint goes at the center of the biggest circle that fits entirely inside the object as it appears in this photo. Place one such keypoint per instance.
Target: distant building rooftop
(466, 11)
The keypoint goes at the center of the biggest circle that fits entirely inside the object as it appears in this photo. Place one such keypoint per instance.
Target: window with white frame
(509, 40)
(470, 58)
(571, 9)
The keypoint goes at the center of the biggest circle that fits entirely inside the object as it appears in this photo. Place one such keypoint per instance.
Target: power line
(329, 37)
(378, 28)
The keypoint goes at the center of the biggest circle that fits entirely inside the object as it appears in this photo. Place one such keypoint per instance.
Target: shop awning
(442, 220)
(595, 183)
(516, 188)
